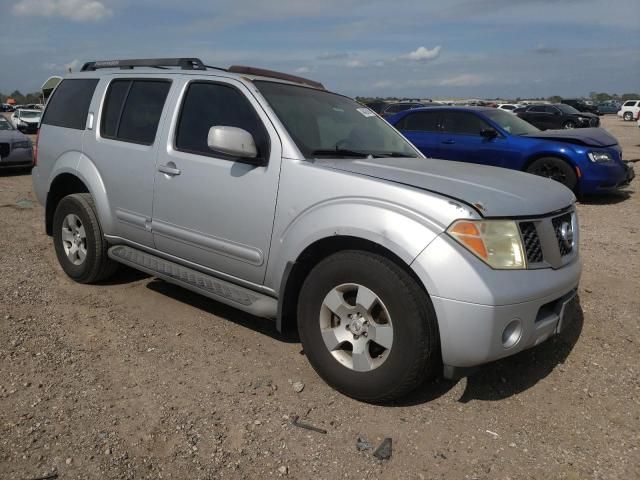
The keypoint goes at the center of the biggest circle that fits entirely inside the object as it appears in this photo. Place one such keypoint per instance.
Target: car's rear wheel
(628, 116)
(78, 240)
(555, 169)
(367, 327)
(568, 125)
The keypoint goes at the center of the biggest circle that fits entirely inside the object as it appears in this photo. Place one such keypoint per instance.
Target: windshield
(4, 124)
(566, 108)
(28, 114)
(511, 123)
(326, 124)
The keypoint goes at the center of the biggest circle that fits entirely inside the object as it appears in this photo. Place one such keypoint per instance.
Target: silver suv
(269, 193)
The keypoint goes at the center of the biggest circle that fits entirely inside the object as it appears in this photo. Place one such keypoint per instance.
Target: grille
(5, 150)
(531, 242)
(594, 122)
(557, 224)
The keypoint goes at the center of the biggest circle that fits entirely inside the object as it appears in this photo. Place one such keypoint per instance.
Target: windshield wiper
(342, 152)
(393, 154)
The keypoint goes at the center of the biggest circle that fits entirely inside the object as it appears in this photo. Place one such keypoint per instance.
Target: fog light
(512, 333)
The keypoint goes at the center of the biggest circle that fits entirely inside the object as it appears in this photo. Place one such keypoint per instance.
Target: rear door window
(463, 123)
(132, 110)
(69, 105)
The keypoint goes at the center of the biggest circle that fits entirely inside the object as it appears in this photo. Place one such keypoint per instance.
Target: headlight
(496, 242)
(24, 144)
(600, 157)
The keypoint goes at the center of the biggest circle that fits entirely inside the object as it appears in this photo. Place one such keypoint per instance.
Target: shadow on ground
(610, 198)
(260, 325)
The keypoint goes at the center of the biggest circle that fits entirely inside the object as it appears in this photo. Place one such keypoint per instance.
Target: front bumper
(17, 157)
(474, 304)
(606, 177)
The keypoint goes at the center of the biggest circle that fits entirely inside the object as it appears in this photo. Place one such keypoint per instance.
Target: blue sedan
(586, 160)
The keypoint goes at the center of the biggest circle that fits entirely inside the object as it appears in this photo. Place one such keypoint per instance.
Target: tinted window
(463, 123)
(629, 104)
(113, 107)
(421, 121)
(538, 109)
(398, 107)
(210, 104)
(137, 120)
(69, 105)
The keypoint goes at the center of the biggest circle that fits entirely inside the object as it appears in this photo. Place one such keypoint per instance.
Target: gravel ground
(141, 379)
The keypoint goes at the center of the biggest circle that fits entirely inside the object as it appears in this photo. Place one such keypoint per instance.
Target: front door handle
(170, 169)
(449, 142)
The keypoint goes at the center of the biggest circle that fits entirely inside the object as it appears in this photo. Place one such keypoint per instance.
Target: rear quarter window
(69, 105)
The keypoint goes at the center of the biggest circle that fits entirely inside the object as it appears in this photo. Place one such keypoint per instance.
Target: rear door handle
(170, 169)
(449, 142)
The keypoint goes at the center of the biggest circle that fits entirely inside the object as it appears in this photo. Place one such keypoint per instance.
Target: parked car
(393, 108)
(5, 107)
(629, 110)
(608, 107)
(377, 106)
(581, 105)
(557, 115)
(267, 192)
(26, 121)
(585, 160)
(509, 107)
(15, 147)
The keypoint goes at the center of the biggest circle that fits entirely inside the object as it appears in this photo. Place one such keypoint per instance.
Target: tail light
(35, 149)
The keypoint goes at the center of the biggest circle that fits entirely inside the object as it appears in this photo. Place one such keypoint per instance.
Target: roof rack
(183, 63)
(261, 72)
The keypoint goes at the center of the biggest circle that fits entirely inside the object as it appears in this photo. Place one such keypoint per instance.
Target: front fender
(403, 231)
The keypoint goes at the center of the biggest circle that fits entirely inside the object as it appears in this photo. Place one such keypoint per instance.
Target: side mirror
(489, 133)
(233, 141)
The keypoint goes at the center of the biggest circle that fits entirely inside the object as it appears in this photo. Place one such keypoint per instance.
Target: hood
(590, 137)
(492, 191)
(12, 136)
(584, 114)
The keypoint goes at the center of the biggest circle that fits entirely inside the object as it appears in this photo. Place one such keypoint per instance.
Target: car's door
(124, 146)
(538, 116)
(423, 130)
(213, 209)
(462, 140)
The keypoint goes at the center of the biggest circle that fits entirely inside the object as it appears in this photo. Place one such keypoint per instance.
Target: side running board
(220, 290)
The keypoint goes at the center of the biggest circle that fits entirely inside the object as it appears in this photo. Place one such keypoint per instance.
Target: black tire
(627, 116)
(96, 265)
(569, 124)
(415, 351)
(556, 169)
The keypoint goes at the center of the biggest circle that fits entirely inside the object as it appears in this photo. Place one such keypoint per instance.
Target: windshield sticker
(366, 112)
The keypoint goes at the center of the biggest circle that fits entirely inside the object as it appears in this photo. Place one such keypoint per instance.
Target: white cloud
(302, 70)
(422, 54)
(62, 68)
(78, 10)
(464, 80)
(355, 63)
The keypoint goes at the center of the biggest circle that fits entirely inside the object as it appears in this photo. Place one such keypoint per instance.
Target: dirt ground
(139, 379)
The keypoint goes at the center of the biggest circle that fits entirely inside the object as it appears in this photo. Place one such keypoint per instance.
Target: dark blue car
(586, 160)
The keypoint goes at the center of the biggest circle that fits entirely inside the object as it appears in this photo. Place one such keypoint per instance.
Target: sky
(413, 49)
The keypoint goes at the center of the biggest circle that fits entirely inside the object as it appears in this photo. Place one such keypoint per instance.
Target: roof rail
(261, 72)
(183, 63)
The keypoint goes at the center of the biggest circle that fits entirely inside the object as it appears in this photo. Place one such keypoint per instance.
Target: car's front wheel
(77, 237)
(628, 116)
(569, 124)
(367, 327)
(555, 169)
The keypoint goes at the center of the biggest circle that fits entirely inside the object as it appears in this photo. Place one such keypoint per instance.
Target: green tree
(630, 96)
(555, 99)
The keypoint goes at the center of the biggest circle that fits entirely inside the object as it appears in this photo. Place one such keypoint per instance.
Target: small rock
(68, 461)
(383, 452)
(298, 387)
(362, 444)
(283, 470)
(257, 422)
(107, 451)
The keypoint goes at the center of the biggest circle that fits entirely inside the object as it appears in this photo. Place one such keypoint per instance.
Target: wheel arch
(62, 185)
(296, 271)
